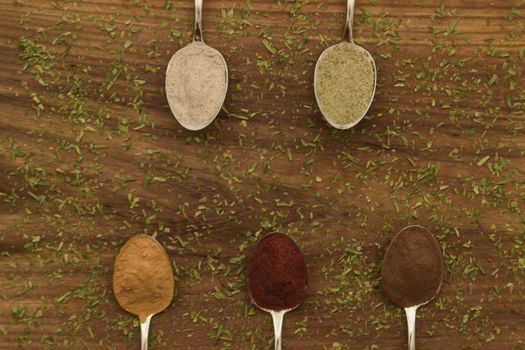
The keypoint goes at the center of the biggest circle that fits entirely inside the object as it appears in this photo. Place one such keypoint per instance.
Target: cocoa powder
(412, 270)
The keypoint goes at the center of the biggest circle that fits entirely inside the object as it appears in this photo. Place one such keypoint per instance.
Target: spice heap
(277, 275)
(412, 270)
(196, 84)
(142, 277)
(344, 84)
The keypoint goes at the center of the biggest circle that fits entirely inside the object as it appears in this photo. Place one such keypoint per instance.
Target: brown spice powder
(412, 270)
(143, 277)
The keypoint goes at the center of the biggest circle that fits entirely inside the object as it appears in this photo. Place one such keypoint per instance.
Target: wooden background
(90, 155)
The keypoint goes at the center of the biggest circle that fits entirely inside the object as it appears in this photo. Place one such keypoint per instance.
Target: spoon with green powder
(345, 79)
(196, 80)
(412, 273)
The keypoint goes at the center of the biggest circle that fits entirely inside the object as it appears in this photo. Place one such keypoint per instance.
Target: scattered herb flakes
(93, 155)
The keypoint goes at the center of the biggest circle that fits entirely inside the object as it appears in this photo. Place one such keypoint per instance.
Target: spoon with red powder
(277, 278)
(412, 273)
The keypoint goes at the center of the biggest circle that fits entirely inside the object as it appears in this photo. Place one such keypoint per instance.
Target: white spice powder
(196, 85)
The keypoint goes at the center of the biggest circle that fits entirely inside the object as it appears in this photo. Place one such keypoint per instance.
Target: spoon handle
(144, 331)
(277, 317)
(350, 9)
(197, 35)
(411, 322)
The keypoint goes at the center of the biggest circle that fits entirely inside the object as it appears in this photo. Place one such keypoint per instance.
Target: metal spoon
(392, 289)
(178, 103)
(410, 313)
(348, 39)
(411, 324)
(156, 259)
(277, 318)
(144, 332)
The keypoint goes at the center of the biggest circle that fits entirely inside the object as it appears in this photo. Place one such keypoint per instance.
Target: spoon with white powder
(196, 80)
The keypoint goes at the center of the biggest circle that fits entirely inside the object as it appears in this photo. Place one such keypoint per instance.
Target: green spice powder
(344, 86)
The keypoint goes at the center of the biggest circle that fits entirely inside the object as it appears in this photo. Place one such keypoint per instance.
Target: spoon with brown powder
(412, 273)
(143, 280)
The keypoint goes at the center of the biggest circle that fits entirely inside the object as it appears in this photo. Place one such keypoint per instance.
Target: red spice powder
(276, 274)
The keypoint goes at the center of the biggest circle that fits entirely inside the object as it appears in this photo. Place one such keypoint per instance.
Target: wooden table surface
(90, 155)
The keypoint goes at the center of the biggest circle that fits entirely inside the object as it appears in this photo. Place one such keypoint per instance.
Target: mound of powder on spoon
(277, 274)
(345, 82)
(196, 84)
(143, 277)
(412, 271)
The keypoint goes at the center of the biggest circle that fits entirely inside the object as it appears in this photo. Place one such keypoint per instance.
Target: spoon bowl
(363, 98)
(192, 72)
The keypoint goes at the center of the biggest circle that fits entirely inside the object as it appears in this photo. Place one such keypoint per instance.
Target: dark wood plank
(69, 173)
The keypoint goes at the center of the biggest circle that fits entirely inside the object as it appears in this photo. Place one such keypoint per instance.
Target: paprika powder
(277, 274)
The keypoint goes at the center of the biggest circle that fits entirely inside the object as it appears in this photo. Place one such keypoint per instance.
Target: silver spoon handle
(411, 323)
(144, 331)
(197, 35)
(350, 9)
(277, 317)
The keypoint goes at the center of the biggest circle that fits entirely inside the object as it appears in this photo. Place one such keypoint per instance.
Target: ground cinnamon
(277, 274)
(143, 277)
(412, 270)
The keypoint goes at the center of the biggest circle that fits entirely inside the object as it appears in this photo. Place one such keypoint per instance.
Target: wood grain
(69, 174)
